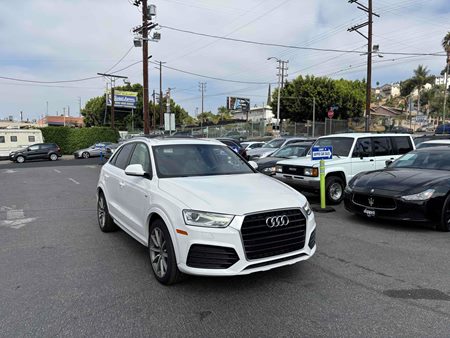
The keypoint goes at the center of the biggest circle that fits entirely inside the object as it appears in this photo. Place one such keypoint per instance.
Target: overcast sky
(58, 40)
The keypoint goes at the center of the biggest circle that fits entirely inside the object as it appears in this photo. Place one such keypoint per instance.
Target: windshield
(290, 151)
(275, 143)
(341, 145)
(424, 160)
(184, 160)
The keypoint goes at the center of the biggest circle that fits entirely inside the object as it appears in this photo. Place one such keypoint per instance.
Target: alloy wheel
(101, 215)
(335, 191)
(158, 252)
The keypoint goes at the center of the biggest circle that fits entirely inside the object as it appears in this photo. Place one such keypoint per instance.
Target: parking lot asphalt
(61, 276)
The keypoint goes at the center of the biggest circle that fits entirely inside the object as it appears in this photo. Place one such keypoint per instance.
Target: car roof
(357, 135)
(157, 141)
(444, 141)
(434, 149)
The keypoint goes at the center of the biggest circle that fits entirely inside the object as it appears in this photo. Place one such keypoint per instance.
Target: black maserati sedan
(413, 188)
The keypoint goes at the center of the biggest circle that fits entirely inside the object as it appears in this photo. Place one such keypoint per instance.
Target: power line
(120, 60)
(292, 46)
(59, 81)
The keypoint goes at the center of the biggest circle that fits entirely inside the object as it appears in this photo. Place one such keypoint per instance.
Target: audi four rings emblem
(277, 221)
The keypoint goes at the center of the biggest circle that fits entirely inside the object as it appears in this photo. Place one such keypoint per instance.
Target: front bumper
(408, 211)
(301, 182)
(231, 237)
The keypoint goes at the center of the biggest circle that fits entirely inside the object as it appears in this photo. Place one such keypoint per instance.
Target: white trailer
(14, 139)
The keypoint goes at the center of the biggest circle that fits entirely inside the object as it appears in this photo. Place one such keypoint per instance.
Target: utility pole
(314, 116)
(202, 88)
(445, 86)
(282, 67)
(161, 114)
(370, 13)
(112, 78)
(154, 110)
(46, 102)
(79, 105)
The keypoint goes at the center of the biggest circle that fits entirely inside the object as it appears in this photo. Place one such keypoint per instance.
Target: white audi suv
(201, 209)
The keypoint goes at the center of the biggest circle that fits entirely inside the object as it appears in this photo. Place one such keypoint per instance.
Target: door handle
(106, 176)
(371, 160)
(121, 184)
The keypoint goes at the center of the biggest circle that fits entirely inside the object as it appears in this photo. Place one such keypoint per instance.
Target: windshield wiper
(334, 154)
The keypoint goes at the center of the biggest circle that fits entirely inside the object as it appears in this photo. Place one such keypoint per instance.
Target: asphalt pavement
(61, 276)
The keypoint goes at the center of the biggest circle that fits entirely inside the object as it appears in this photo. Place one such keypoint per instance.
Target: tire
(85, 155)
(162, 254)
(105, 221)
(334, 190)
(53, 157)
(444, 225)
(20, 159)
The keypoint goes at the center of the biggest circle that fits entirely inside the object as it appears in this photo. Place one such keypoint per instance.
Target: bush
(72, 139)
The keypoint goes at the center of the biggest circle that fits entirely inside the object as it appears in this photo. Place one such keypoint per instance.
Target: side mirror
(135, 170)
(388, 163)
(253, 164)
(28, 149)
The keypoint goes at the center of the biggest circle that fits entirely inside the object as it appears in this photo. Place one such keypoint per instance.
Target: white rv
(14, 139)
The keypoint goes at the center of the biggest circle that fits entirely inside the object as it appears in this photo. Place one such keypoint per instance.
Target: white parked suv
(202, 209)
(352, 154)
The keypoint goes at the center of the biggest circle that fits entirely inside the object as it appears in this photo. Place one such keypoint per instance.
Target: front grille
(275, 261)
(312, 239)
(211, 257)
(374, 202)
(292, 170)
(260, 241)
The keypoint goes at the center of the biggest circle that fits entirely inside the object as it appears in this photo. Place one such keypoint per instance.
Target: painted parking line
(71, 179)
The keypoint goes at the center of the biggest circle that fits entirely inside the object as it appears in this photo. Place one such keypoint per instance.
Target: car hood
(268, 161)
(232, 194)
(260, 151)
(399, 180)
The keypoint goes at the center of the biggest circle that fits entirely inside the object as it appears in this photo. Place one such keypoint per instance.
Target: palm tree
(420, 79)
(446, 46)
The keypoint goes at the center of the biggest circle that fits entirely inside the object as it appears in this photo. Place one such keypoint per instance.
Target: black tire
(85, 155)
(171, 274)
(444, 225)
(105, 221)
(53, 157)
(334, 190)
(20, 159)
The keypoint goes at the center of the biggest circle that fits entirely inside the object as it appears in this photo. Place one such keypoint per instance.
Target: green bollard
(322, 184)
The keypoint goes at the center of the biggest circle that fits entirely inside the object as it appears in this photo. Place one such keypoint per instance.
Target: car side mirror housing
(388, 163)
(253, 164)
(135, 170)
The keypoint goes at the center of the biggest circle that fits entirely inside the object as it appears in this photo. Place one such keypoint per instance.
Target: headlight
(421, 196)
(307, 208)
(279, 169)
(206, 219)
(311, 172)
(270, 170)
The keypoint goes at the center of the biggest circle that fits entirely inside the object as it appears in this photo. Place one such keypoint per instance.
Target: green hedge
(72, 139)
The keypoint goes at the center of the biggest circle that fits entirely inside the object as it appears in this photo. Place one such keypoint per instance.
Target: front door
(362, 157)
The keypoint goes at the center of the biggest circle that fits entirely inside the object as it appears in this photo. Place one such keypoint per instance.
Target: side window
(31, 138)
(45, 146)
(122, 158)
(2, 139)
(381, 146)
(33, 148)
(141, 156)
(13, 138)
(363, 147)
(402, 144)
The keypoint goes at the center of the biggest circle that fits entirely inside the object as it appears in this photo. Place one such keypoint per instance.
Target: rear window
(402, 144)
(381, 146)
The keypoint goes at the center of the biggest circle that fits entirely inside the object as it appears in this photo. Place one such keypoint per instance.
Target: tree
(420, 79)
(94, 111)
(296, 102)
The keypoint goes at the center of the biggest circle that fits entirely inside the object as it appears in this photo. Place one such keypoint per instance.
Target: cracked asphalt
(60, 276)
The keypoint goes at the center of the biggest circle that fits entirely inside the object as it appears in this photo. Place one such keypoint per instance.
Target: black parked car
(414, 188)
(266, 165)
(39, 151)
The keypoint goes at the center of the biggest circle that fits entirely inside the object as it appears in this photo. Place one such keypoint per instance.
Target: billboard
(238, 103)
(123, 99)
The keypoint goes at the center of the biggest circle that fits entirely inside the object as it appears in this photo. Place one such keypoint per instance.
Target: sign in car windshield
(322, 153)
(123, 99)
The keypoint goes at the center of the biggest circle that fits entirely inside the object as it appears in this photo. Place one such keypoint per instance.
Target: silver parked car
(93, 151)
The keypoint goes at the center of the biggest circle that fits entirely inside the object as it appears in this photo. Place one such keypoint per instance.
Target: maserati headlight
(307, 208)
(311, 172)
(421, 196)
(206, 219)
